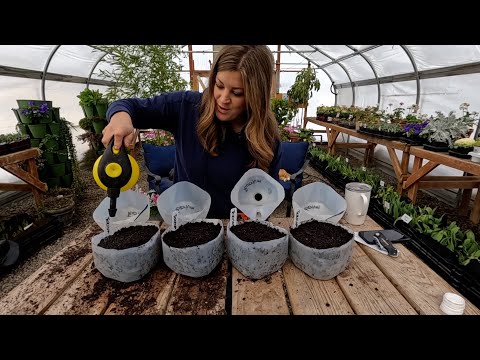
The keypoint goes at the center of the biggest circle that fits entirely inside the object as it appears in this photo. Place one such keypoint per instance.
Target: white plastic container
(452, 304)
(257, 195)
(321, 264)
(130, 264)
(190, 201)
(318, 201)
(132, 208)
(185, 202)
(195, 261)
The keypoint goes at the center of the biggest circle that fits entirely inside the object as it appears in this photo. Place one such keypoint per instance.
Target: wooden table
(10, 163)
(419, 179)
(373, 283)
(400, 166)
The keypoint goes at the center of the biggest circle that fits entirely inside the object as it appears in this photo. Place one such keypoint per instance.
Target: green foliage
(142, 70)
(86, 97)
(462, 243)
(302, 89)
(305, 135)
(283, 111)
(89, 97)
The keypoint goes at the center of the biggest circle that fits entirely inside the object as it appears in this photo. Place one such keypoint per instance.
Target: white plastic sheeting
(443, 93)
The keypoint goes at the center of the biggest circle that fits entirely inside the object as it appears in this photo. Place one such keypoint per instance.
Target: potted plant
(462, 147)
(87, 102)
(442, 130)
(302, 89)
(283, 110)
(321, 249)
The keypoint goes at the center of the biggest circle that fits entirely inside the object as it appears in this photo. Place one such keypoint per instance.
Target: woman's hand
(121, 129)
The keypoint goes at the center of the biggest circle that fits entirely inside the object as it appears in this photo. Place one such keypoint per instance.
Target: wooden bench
(10, 163)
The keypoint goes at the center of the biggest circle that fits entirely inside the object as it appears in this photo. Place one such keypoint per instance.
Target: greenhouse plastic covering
(435, 77)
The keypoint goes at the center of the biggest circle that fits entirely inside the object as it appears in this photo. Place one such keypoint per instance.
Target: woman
(219, 134)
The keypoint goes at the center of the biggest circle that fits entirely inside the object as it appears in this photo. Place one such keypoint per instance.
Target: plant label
(406, 218)
(364, 168)
(233, 217)
(296, 217)
(386, 205)
(382, 183)
(346, 160)
(175, 219)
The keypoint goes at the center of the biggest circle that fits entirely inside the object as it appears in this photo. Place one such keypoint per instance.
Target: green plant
(305, 135)
(302, 89)
(87, 97)
(142, 70)
(283, 111)
(66, 130)
(463, 143)
(86, 124)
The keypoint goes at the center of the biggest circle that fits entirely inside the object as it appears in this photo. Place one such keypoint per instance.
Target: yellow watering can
(115, 171)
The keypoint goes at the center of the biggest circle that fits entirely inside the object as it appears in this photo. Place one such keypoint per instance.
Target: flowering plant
(414, 129)
(287, 131)
(158, 137)
(36, 112)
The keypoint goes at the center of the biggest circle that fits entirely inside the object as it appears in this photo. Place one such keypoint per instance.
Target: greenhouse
(355, 185)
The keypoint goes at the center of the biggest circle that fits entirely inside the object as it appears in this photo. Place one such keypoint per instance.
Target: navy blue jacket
(178, 112)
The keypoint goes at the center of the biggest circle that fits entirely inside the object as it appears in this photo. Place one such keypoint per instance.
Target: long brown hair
(255, 64)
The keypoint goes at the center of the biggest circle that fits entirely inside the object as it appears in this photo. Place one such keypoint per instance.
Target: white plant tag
(406, 218)
(382, 183)
(233, 217)
(346, 160)
(175, 220)
(386, 205)
(364, 168)
(296, 217)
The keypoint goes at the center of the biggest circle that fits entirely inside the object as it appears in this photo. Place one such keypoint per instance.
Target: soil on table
(256, 232)
(321, 235)
(192, 234)
(129, 237)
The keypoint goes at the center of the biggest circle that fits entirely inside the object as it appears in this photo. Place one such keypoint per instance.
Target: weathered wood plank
(88, 295)
(36, 293)
(200, 296)
(310, 296)
(368, 291)
(148, 296)
(421, 286)
(19, 156)
(258, 297)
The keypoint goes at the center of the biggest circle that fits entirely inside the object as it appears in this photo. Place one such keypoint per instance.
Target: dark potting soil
(128, 237)
(255, 232)
(192, 234)
(321, 235)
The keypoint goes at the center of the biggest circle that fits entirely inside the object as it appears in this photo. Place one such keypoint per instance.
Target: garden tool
(115, 171)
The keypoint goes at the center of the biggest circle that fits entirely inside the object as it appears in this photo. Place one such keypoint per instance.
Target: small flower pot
(259, 258)
(127, 264)
(321, 263)
(197, 260)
